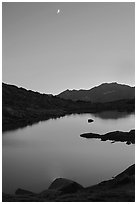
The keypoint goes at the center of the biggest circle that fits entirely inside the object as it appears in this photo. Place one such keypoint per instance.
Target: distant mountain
(105, 92)
(21, 107)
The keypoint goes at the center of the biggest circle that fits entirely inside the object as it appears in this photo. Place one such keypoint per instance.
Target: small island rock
(90, 120)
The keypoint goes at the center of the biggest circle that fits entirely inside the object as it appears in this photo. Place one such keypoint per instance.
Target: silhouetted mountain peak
(105, 92)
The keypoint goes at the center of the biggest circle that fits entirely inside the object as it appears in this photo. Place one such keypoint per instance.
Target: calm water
(35, 155)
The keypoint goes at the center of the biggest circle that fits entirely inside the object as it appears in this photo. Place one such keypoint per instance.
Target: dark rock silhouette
(120, 188)
(105, 92)
(20, 191)
(90, 120)
(116, 136)
(65, 185)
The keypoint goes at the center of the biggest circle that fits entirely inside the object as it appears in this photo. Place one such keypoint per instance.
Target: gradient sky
(82, 46)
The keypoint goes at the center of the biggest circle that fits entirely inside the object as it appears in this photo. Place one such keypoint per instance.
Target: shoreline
(115, 136)
(21, 107)
(16, 123)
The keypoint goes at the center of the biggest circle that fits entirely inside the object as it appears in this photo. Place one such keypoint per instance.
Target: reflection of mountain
(21, 107)
(104, 93)
(111, 114)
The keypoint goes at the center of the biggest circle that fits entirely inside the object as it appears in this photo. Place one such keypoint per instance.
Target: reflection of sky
(35, 155)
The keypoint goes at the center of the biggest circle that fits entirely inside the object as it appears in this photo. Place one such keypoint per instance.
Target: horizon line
(68, 89)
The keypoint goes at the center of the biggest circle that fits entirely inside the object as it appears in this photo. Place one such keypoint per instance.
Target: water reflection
(112, 114)
(35, 155)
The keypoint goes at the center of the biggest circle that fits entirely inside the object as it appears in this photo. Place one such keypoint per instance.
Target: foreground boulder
(128, 176)
(65, 185)
(119, 189)
(21, 191)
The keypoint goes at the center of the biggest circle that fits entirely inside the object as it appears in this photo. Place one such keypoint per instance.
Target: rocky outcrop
(65, 185)
(120, 188)
(21, 191)
(116, 136)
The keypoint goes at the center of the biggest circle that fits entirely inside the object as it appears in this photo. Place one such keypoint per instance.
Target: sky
(83, 45)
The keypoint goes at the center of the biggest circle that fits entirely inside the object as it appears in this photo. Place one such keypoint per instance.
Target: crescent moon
(58, 11)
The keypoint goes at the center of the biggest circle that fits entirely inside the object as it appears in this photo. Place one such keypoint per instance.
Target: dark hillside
(21, 107)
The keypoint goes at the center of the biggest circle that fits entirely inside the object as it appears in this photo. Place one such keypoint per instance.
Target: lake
(32, 157)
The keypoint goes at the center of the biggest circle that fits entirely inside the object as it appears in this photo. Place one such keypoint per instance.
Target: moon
(58, 11)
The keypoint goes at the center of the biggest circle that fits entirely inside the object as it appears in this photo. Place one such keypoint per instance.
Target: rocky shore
(116, 136)
(120, 188)
(22, 107)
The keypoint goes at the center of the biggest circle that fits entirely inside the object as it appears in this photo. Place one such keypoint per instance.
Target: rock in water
(90, 120)
(65, 185)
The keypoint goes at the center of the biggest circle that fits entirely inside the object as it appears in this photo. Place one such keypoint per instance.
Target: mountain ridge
(105, 92)
(21, 107)
(82, 89)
